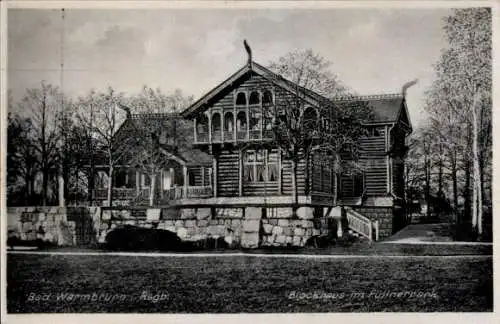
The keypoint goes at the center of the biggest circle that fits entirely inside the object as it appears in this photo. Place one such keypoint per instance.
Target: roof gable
(310, 96)
(386, 107)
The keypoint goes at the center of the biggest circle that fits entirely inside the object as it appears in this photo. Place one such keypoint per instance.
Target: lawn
(44, 283)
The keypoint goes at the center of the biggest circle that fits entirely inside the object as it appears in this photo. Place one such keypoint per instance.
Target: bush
(128, 237)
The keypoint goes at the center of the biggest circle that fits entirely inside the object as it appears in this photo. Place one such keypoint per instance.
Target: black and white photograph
(248, 157)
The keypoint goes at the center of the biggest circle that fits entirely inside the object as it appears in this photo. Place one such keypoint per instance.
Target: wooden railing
(202, 137)
(228, 136)
(362, 224)
(216, 136)
(241, 135)
(191, 192)
(117, 193)
(255, 134)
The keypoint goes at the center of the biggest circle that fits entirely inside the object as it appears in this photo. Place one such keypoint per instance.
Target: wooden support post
(240, 173)
(221, 114)
(280, 189)
(214, 174)
(185, 187)
(202, 169)
(248, 117)
(194, 131)
(210, 126)
(137, 182)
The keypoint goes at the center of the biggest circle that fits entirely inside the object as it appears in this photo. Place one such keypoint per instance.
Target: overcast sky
(372, 51)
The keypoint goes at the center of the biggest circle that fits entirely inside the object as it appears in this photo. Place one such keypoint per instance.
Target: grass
(37, 283)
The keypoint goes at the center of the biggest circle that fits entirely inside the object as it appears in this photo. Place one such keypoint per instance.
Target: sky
(372, 51)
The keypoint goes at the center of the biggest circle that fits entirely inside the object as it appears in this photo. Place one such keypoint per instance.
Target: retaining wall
(243, 227)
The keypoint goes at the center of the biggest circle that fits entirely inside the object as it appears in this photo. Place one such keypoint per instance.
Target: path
(240, 254)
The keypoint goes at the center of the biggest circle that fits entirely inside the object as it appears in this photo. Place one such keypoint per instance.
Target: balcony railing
(117, 193)
(202, 137)
(228, 136)
(256, 134)
(192, 192)
(216, 136)
(241, 135)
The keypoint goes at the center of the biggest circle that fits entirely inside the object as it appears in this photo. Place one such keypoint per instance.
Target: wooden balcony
(229, 136)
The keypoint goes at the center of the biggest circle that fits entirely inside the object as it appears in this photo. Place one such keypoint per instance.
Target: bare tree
(42, 106)
(158, 130)
(461, 96)
(328, 127)
(101, 115)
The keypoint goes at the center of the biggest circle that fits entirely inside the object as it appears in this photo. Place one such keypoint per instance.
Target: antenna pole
(62, 116)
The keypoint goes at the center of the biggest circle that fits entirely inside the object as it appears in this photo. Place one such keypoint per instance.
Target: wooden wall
(228, 173)
(373, 156)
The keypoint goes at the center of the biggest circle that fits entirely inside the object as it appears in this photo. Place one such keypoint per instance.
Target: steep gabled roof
(386, 107)
(163, 125)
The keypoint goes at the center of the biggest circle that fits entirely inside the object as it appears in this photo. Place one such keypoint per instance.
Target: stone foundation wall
(296, 232)
(384, 215)
(47, 223)
(240, 227)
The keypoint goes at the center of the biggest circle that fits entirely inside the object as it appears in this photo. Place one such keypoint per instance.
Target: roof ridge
(369, 97)
(155, 115)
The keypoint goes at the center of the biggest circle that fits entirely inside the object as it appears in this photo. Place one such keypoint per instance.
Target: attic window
(241, 99)
(267, 98)
(254, 98)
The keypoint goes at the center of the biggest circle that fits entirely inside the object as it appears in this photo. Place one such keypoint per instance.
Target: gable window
(228, 122)
(267, 98)
(241, 121)
(241, 99)
(254, 98)
(260, 166)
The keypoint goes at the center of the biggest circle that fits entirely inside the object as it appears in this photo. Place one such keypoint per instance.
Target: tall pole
(60, 176)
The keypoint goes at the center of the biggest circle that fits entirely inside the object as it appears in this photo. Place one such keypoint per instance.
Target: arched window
(254, 98)
(311, 118)
(267, 98)
(241, 99)
(228, 122)
(241, 121)
(202, 127)
(216, 122)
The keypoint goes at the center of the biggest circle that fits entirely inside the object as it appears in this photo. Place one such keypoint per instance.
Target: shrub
(128, 237)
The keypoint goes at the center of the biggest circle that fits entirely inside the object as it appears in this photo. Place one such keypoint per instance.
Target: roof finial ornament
(249, 52)
(407, 85)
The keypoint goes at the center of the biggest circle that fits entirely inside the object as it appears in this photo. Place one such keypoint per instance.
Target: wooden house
(232, 160)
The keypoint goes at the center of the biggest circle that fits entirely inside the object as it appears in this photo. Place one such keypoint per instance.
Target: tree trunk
(295, 187)
(454, 183)
(477, 213)
(152, 190)
(45, 185)
(110, 186)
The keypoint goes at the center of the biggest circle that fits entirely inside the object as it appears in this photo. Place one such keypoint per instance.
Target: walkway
(240, 254)
(440, 233)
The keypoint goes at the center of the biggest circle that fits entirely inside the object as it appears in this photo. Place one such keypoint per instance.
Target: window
(255, 120)
(241, 121)
(228, 122)
(241, 99)
(216, 122)
(260, 166)
(267, 98)
(191, 178)
(311, 118)
(202, 124)
(254, 98)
